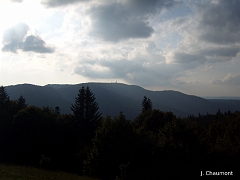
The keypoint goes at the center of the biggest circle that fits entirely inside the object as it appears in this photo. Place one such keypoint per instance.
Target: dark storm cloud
(117, 20)
(189, 58)
(149, 6)
(212, 35)
(113, 22)
(36, 44)
(125, 19)
(228, 51)
(15, 38)
(56, 3)
(220, 21)
(214, 54)
(142, 6)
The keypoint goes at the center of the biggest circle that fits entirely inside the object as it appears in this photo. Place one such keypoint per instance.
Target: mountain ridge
(115, 97)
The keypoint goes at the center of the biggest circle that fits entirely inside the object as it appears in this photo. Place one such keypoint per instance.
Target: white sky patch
(28, 11)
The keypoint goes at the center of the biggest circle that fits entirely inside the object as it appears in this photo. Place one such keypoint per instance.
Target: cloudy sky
(192, 46)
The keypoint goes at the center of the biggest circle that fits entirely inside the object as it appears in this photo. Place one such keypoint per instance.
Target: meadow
(15, 172)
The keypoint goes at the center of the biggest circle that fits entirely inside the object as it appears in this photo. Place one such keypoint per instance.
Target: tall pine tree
(146, 104)
(21, 103)
(4, 98)
(79, 106)
(86, 114)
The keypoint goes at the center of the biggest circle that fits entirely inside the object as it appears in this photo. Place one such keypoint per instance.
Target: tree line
(155, 145)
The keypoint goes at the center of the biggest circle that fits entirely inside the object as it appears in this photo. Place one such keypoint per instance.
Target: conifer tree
(78, 107)
(146, 104)
(86, 114)
(91, 107)
(21, 103)
(4, 98)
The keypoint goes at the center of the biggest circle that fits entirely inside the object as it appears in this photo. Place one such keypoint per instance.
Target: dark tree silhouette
(86, 114)
(57, 110)
(91, 107)
(85, 108)
(21, 103)
(87, 119)
(4, 98)
(146, 104)
(79, 106)
(5, 124)
(112, 147)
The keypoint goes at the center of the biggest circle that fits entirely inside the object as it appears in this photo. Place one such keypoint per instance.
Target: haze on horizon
(188, 46)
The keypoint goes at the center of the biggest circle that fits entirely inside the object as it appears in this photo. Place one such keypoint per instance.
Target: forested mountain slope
(115, 97)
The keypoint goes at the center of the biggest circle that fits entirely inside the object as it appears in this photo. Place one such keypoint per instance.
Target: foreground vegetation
(10, 172)
(156, 145)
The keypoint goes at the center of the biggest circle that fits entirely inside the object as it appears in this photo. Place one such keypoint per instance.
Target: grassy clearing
(12, 172)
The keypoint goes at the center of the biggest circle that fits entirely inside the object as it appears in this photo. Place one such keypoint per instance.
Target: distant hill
(115, 97)
(39, 96)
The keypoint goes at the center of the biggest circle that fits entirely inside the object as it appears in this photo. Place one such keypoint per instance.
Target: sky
(192, 46)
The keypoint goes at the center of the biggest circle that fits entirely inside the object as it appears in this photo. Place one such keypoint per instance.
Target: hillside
(115, 97)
